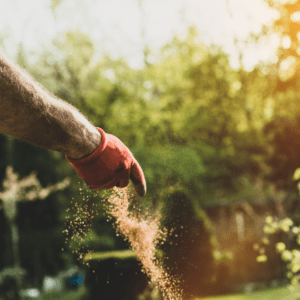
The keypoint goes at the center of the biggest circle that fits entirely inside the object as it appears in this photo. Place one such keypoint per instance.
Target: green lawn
(64, 295)
(281, 293)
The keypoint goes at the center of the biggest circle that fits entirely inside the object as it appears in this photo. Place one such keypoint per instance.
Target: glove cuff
(92, 157)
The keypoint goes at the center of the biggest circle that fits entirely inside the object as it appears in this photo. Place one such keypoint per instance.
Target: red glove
(111, 164)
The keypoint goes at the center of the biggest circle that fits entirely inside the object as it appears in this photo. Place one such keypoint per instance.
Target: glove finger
(112, 183)
(124, 179)
(138, 179)
(101, 183)
(121, 179)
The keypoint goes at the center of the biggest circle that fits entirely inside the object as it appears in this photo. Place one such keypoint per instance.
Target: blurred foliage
(169, 165)
(291, 257)
(291, 232)
(287, 27)
(283, 100)
(284, 135)
(55, 3)
(93, 242)
(190, 97)
(190, 238)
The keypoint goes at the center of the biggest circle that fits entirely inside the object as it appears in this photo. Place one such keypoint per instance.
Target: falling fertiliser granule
(142, 231)
(78, 225)
(144, 235)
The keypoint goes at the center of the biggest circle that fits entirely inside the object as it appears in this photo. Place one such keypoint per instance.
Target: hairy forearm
(30, 113)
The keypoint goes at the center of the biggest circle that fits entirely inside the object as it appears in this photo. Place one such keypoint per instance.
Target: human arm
(30, 113)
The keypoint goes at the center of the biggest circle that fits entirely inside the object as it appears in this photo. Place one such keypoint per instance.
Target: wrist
(84, 147)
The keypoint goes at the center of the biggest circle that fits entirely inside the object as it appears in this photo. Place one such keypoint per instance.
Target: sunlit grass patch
(281, 293)
(110, 254)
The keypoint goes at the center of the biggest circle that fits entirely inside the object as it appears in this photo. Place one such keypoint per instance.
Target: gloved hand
(111, 164)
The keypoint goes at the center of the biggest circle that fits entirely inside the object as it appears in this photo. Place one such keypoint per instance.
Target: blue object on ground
(76, 279)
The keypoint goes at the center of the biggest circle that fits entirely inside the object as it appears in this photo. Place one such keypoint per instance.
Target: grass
(110, 254)
(280, 293)
(71, 295)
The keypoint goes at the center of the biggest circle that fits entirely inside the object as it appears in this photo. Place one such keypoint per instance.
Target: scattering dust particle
(144, 236)
(142, 230)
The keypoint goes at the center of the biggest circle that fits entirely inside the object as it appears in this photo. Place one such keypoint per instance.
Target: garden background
(216, 133)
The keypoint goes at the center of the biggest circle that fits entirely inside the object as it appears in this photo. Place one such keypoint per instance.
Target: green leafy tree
(189, 97)
(281, 131)
(205, 108)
